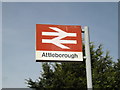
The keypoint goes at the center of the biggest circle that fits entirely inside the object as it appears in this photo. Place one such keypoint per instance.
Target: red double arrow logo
(58, 38)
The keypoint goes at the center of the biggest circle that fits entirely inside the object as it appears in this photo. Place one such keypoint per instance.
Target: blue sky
(18, 35)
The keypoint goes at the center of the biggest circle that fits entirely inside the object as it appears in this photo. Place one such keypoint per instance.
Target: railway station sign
(58, 43)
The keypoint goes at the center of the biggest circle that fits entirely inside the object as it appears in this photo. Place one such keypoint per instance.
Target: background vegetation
(105, 72)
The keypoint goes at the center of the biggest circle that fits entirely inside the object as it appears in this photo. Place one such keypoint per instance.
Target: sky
(18, 33)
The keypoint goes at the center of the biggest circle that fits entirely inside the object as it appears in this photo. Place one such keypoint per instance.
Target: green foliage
(117, 74)
(105, 72)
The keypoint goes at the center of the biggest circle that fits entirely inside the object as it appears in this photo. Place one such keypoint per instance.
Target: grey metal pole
(88, 58)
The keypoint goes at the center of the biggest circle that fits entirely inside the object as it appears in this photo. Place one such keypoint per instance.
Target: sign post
(63, 43)
(88, 57)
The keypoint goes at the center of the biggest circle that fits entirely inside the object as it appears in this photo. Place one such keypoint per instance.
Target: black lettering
(43, 55)
(60, 55)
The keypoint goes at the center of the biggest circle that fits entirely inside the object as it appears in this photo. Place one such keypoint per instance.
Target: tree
(117, 73)
(73, 74)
